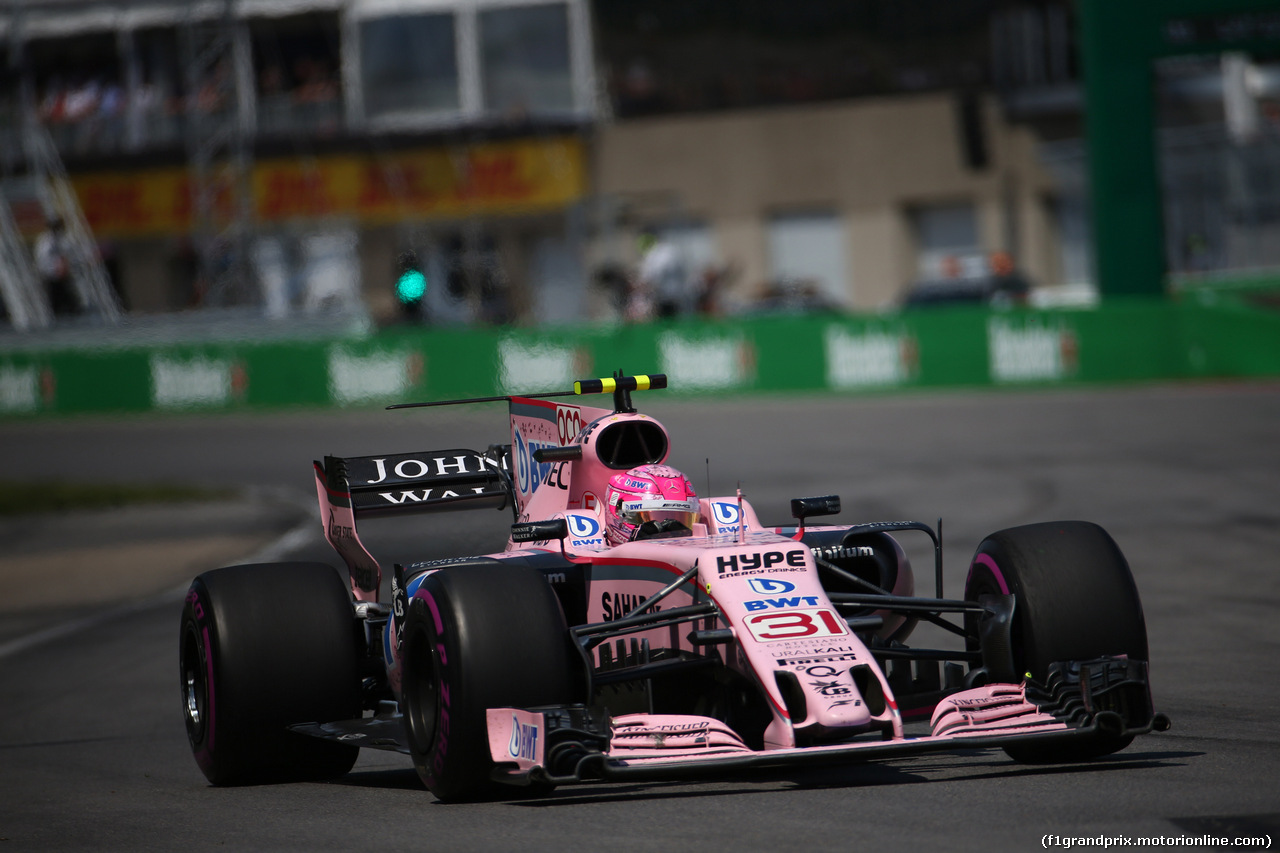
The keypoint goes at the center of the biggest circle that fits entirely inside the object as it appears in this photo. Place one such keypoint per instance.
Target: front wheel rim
(421, 693)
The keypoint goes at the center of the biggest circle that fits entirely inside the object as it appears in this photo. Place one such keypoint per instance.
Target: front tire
(263, 647)
(1075, 600)
(475, 638)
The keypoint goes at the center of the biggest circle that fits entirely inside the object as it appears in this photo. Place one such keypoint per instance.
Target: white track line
(300, 535)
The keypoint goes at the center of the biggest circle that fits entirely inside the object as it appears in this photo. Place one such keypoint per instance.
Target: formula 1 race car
(634, 630)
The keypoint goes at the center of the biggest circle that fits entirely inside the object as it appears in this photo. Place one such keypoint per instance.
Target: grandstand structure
(282, 156)
(295, 158)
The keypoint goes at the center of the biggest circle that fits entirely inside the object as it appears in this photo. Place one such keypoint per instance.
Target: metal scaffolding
(219, 127)
(23, 293)
(24, 299)
(88, 275)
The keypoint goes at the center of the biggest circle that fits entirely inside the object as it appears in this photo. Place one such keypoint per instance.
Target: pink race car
(632, 629)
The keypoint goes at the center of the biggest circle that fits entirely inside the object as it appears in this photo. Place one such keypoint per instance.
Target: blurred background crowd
(458, 162)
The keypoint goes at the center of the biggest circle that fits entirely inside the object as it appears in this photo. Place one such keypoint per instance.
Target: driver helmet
(649, 500)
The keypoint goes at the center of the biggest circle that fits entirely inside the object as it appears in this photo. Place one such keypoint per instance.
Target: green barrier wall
(1123, 341)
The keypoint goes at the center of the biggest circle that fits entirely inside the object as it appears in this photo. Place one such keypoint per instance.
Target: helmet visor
(688, 519)
(639, 512)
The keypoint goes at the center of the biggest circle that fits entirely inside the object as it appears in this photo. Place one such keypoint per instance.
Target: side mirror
(802, 508)
(540, 531)
(569, 453)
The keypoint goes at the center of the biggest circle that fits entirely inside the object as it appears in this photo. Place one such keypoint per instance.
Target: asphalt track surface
(93, 754)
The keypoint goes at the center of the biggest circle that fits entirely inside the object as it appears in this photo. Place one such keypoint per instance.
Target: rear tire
(1075, 600)
(475, 638)
(263, 647)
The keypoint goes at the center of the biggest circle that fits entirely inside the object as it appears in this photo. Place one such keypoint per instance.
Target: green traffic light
(411, 286)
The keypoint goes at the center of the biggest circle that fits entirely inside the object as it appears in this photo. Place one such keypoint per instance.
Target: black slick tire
(475, 638)
(1075, 600)
(263, 647)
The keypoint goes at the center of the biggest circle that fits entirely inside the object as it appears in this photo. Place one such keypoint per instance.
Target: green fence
(1123, 341)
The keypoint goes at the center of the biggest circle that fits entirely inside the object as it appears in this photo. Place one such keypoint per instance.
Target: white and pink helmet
(654, 495)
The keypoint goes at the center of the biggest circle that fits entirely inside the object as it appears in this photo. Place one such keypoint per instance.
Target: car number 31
(794, 624)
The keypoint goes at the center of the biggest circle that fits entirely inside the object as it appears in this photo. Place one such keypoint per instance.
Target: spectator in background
(639, 307)
(951, 268)
(82, 99)
(144, 118)
(80, 109)
(212, 96)
(110, 127)
(715, 279)
(271, 81)
(636, 89)
(53, 106)
(313, 82)
(273, 100)
(54, 266)
(662, 274)
(1008, 286)
(315, 94)
(614, 285)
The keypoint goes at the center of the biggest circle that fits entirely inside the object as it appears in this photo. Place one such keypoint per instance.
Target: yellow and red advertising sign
(440, 182)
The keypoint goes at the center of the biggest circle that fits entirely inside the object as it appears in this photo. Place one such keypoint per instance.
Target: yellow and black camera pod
(618, 385)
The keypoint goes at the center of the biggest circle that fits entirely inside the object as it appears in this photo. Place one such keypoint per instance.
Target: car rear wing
(353, 487)
(439, 480)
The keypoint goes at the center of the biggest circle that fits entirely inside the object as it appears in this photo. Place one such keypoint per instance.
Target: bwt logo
(734, 563)
(524, 740)
(726, 514)
(769, 586)
(583, 527)
(528, 472)
(779, 603)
